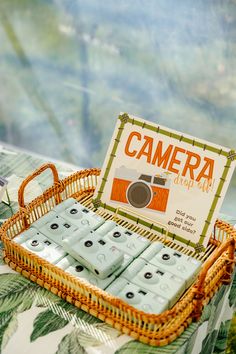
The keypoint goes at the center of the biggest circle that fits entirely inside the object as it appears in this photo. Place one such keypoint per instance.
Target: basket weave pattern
(155, 330)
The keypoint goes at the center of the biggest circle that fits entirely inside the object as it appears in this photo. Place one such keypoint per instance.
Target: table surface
(34, 320)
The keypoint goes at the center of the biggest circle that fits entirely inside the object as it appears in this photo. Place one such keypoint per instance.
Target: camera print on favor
(140, 190)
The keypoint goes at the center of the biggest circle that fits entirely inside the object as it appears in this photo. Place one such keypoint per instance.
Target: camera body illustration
(36, 242)
(140, 190)
(137, 296)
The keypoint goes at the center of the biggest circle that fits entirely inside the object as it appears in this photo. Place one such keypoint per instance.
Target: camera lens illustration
(54, 226)
(116, 234)
(34, 243)
(139, 194)
(79, 268)
(73, 211)
(166, 257)
(148, 275)
(129, 295)
(88, 243)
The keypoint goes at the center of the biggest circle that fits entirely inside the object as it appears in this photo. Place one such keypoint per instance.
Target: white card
(166, 176)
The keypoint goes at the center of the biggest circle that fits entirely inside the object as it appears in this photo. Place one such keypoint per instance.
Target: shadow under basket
(155, 330)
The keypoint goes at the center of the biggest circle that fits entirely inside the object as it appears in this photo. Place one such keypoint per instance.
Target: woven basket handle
(52, 167)
(229, 245)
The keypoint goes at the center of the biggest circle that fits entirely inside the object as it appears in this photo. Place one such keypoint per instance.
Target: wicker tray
(156, 330)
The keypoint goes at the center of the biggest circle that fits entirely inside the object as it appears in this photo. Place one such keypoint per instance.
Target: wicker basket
(156, 330)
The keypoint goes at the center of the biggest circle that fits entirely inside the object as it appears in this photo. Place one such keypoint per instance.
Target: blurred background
(67, 68)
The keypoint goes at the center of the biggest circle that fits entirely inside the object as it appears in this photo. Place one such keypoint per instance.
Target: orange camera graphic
(140, 190)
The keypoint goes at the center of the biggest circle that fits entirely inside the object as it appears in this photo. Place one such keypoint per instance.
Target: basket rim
(24, 212)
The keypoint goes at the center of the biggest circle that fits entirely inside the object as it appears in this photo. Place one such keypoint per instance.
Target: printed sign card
(165, 176)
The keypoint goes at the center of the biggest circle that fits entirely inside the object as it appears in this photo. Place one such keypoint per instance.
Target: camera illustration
(155, 279)
(55, 227)
(174, 262)
(76, 213)
(137, 296)
(70, 265)
(37, 243)
(101, 257)
(140, 190)
(126, 240)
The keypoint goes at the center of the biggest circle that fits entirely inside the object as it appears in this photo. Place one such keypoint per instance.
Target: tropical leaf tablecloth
(33, 320)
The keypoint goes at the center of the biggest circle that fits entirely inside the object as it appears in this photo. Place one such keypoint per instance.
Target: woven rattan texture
(156, 330)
